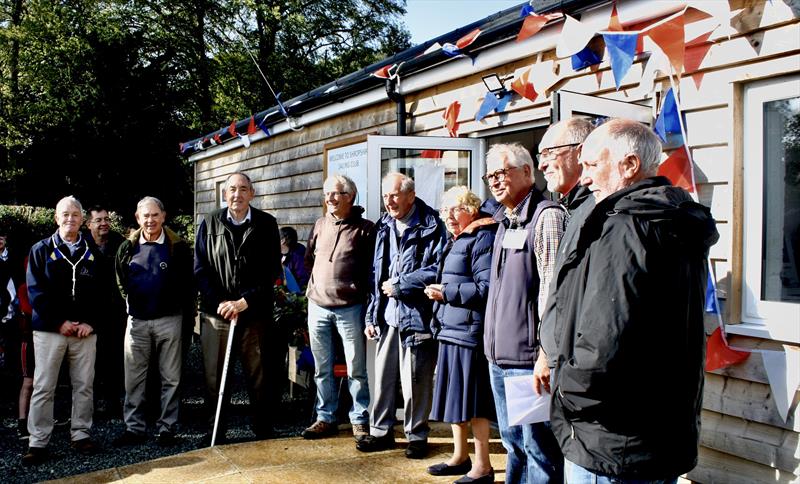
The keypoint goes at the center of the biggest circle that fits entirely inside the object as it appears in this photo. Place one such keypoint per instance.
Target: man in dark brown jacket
(339, 257)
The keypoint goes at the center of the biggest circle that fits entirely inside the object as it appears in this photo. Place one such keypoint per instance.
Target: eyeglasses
(340, 194)
(445, 211)
(549, 154)
(499, 175)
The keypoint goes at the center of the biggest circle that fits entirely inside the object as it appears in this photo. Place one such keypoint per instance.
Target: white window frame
(760, 318)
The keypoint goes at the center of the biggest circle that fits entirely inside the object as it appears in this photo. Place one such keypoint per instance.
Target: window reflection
(433, 171)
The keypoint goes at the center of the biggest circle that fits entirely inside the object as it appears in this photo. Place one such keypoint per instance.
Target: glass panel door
(567, 104)
(435, 164)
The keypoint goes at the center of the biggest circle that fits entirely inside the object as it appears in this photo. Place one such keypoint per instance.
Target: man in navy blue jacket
(410, 239)
(67, 293)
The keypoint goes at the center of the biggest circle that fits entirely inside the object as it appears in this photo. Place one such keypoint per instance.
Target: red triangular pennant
(533, 23)
(695, 52)
(251, 126)
(468, 39)
(719, 354)
(383, 72)
(678, 169)
(431, 154)
(670, 37)
(614, 25)
(232, 128)
(524, 87)
(451, 118)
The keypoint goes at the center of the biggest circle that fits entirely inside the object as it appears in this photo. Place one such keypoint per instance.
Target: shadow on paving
(194, 427)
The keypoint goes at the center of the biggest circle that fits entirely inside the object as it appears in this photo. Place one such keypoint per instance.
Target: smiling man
(154, 271)
(237, 261)
(629, 346)
(409, 242)
(558, 160)
(525, 248)
(339, 257)
(67, 296)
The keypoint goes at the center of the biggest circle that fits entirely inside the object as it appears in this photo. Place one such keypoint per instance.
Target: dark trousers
(261, 350)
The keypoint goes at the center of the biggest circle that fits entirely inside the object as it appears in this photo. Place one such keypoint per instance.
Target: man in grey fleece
(339, 258)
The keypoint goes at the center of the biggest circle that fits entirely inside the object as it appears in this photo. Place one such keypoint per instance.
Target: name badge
(514, 239)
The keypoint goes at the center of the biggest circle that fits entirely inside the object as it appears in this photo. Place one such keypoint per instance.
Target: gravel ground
(63, 462)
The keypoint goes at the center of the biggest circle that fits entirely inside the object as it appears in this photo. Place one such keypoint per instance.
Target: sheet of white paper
(429, 183)
(783, 373)
(523, 404)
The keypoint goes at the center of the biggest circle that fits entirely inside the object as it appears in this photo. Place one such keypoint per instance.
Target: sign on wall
(349, 160)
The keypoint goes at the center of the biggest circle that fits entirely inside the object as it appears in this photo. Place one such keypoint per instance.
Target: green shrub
(26, 225)
(183, 225)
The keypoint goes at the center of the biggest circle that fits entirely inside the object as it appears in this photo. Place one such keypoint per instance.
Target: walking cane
(223, 379)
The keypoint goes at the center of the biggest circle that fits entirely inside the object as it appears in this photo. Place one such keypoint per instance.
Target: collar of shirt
(402, 224)
(4, 254)
(233, 220)
(160, 240)
(72, 246)
(513, 214)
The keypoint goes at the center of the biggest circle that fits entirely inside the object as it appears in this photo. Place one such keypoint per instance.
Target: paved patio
(332, 460)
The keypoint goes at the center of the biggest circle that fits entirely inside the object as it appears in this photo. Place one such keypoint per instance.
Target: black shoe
(84, 446)
(128, 438)
(484, 479)
(166, 439)
(34, 456)
(22, 428)
(417, 449)
(443, 469)
(370, 443)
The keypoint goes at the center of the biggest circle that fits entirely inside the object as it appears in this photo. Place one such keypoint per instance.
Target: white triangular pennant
(542, 76)
(574, 37)
(783, 373)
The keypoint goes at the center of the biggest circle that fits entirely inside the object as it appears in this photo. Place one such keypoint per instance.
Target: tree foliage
(95, 95)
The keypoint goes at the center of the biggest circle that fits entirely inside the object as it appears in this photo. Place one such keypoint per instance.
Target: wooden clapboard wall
(743, 438)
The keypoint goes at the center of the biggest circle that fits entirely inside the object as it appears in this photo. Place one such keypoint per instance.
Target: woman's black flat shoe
(442, 469)
(485, 479)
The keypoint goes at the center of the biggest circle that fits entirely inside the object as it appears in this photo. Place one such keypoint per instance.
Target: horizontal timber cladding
(743, 439)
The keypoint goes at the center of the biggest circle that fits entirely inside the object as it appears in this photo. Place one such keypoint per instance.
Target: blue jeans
(533, 455)
(349, 322)
(575, 474)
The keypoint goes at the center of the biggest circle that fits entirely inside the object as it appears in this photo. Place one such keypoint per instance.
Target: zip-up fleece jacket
(464, 275)
(420, 249)
(512, 317)
(628, 330)
(227, 273)
(339, 259)
(179, 296)
(49, 279)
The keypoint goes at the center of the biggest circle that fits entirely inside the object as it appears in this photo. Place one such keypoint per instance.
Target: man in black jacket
(628, 334)
(237, 261)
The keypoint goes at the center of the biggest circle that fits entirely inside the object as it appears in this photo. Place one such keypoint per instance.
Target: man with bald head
(628, 340)
(410, 237)
(67, 293)
(237, 261)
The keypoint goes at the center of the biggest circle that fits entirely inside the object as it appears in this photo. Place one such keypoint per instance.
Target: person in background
(339, 257)
(154, 272)
(237, 263)
(528, 234)
(26, 358)
(462, 375)
(109, 375)
(409, 242)
(68, 298)
(292, 256)
(617, 335)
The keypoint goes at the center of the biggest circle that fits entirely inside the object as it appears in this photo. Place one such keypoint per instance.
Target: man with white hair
(628, 340)
(154, 273)
(339, 258)
(67, 295)
(409, 241)
(525, 247)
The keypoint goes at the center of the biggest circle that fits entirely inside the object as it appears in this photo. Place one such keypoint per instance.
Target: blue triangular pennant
(711, 297)
(621, 49)
(585, 58)
(668, 124)
(490, 102)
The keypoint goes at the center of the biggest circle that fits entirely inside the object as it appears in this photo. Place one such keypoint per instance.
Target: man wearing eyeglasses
(525, 248)
(108, 375)
(339, 258)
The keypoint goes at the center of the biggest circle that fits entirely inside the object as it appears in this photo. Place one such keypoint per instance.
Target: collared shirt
(160, 240)
(4, 254)
(232, 220)
(548, 232)
(402, 224)
(513, 214)
(72, 246)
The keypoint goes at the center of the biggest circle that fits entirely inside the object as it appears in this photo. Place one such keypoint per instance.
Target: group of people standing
(596, 297)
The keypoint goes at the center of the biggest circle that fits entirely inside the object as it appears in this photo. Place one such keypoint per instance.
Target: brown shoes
(319, 430)
(85, 446)
(34, 456)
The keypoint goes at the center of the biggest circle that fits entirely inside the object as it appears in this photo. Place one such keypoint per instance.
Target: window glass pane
(780, 269)
(433, 171)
